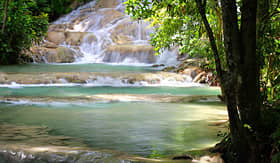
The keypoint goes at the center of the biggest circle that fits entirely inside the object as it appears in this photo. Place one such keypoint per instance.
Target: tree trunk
(5, 15)
(241, 82)
(242, 88)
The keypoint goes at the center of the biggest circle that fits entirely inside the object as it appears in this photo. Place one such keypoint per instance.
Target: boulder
(53, 55)
(74, 38)
(56, 37)
(191, 71)
(200, 77)
(64, 55)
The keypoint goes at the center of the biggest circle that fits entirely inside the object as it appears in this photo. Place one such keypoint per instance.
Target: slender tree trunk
(201, 5)
(5, 15)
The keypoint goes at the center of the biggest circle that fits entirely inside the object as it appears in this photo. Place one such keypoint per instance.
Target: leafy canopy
(22, 28)
(177, 23)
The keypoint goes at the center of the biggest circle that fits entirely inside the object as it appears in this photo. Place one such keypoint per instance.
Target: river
(101, 104)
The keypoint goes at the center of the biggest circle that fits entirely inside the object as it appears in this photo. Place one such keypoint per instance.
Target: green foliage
(156, 154)
(56, 8)
(22, 29)
(27, 23)
(269, 50)
(271, 123)
(178, 24)
(276, 158)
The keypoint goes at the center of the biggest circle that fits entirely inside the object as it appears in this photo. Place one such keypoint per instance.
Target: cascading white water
(113, 37)
(74, 14)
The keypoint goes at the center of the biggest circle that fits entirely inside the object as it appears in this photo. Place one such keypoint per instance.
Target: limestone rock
(200, 77)
(89, 38)
(57, 27)
(74, 38)
(132, 28)
(191, 71)
(48, 44)
(121, 39)
(56, 37)
(53, 55)
(140, 53)
(108, 16)
(106, 4)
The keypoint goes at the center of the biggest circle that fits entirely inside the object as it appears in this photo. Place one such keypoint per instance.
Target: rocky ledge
(94, 78)
(109, 98)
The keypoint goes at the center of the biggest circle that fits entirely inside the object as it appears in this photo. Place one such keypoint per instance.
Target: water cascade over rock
(100, 32)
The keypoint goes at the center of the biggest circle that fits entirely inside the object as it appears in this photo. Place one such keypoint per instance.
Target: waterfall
(111, 36)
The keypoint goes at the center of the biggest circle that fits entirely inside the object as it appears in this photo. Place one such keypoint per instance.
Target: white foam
(100, 81)
(54, 103)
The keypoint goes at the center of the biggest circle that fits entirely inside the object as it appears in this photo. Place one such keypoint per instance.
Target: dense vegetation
(56, 8)
(25, 22)
(22, 24)
(243, 48)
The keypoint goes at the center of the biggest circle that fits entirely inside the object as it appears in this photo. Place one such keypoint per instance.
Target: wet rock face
(107, 4)
(108, 15)
(54, 55)
(135, 53)
(74, 38)
(131, 29)
(56, 37)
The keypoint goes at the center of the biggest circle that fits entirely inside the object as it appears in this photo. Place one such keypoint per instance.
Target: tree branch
(5, 15)
(201, 8)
